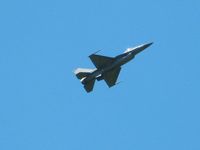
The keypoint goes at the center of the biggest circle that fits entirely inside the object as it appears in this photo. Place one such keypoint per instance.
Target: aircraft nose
(147, 45)
(141, 48)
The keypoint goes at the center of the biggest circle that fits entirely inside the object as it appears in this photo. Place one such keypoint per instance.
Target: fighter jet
(107, 68)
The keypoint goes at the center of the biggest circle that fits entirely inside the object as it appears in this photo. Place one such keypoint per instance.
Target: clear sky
(44, 107)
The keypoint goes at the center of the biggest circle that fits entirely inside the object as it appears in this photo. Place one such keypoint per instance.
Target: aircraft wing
(100, 61)
(111, 76)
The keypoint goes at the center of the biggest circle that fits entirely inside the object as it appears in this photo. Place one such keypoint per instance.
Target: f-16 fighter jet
(107, 68)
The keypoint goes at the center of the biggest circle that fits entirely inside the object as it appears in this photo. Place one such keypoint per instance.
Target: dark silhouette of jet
(107, 68)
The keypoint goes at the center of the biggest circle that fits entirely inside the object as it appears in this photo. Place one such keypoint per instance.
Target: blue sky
(44, 107)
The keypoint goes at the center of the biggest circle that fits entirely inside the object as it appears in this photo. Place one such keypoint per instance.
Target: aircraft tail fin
(82, 72)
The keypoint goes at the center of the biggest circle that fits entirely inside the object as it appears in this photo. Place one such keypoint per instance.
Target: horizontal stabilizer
(89, 86)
